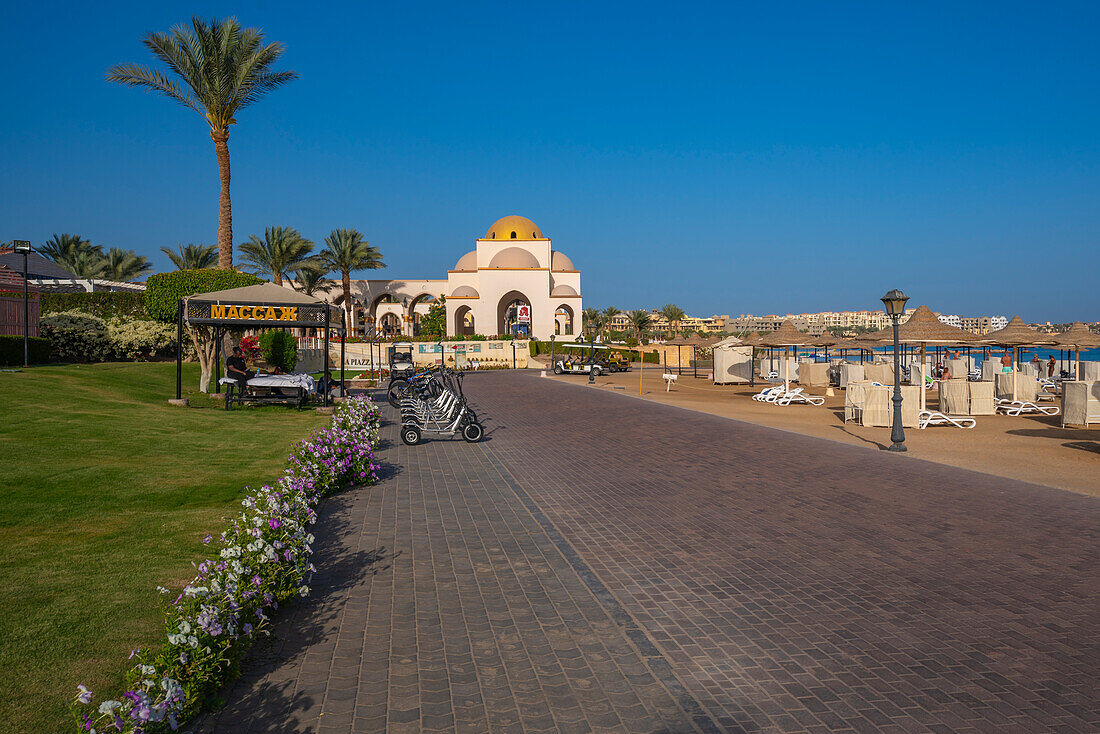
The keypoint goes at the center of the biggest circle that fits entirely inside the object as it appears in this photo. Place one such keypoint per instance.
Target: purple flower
(83, 695)
(274, 523)
(257, 580)
(207, 539)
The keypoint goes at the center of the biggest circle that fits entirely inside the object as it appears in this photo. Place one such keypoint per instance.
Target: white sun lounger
(934, 418)
(768, 394)
(796, 396)
(1024, 407)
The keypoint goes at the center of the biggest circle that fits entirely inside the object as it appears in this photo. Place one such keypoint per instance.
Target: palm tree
(125, 265)
(311, 278)
(592, 321)
(282, 250)
(191, 257)
(345, 251)
(224, 69)
(673, 314)
(640, 321)
(61, 247)
(609, 313)
(85, 263)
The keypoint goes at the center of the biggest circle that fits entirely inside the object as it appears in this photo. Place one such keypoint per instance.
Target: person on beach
(1006, 361)
(945, 374)
(236, 368)
(1050, 366)
(1037, 363)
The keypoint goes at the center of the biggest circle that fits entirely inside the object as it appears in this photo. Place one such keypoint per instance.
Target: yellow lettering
(252, 312)
(293, 313)
(217, 311)
(232, 313)
(270, 313)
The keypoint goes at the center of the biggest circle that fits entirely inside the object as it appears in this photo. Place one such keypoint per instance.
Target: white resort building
(512, 282)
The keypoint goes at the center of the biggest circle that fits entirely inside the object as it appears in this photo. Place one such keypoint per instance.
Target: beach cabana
(258, 307)
(923, 329)
(1076, 337)
(752, 339)
(732, 361)
(1013, 336)
(786, 336)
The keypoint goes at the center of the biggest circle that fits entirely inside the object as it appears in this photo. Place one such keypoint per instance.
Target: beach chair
(768, 392)
(670, 380)
(935, 418)
(1025, 407)
(796, 396)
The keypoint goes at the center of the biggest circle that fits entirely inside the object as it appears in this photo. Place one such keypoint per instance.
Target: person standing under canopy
(1006, 361)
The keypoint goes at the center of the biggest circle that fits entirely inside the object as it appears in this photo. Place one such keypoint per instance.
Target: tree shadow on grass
(275, 693)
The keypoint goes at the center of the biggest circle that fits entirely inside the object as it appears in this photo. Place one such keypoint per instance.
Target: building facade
(512, 282)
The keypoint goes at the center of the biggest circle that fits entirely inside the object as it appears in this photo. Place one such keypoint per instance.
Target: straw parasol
(1015, 335)
(677, 342)
(786, 336)
(695, 341)
(923, 328)
(752, 339)
(1076, 337)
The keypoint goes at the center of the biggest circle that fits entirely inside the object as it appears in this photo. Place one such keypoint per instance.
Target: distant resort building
(512, 282)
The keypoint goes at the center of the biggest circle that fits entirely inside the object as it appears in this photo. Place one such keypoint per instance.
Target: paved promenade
(604, 563)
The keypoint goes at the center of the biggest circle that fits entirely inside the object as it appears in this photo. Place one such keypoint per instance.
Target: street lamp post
(591, 358)
(24, 247)
(895, 302)
(552, 351)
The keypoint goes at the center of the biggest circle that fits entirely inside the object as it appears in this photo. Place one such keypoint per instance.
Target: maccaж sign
(253, 313)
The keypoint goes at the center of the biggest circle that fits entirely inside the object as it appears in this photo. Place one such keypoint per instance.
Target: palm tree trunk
(225, 206)
(277, 278)
(346, 282)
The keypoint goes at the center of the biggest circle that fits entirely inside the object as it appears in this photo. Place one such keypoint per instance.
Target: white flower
(107, 707)
(185, 627)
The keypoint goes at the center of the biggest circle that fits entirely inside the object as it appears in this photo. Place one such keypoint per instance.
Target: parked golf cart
(618, 362)
(580, 366)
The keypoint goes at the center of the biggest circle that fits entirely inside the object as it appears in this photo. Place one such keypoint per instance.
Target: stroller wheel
(410, 435)
(473, 432)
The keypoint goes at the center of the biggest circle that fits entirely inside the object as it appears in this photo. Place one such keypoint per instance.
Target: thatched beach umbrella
(1076, 337)
(786, 336)
(923, 328)
(1015, 335)
(676, 342)
(695, 341)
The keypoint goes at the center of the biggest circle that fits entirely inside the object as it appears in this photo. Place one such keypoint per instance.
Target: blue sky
(727, 157)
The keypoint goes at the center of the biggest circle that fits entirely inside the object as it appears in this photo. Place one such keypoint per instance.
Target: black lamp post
(895, 302)
(552, 351)
(24, 247)
(591, 358)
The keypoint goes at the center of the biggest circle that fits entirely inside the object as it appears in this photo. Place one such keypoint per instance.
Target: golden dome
(514, 227)
(467, 263)
(560, 263)
(513, 257)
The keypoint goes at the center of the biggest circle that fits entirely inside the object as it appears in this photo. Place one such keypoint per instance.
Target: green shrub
(631, 341)
(164, 290)
(280, 350)
(76, 337)
(11, 349)
(103, 305)
(140, 340)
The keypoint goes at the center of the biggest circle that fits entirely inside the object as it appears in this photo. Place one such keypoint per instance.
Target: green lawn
(106, 492)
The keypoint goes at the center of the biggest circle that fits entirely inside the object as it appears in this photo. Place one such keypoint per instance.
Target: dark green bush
(103, 305)
(164, 290)
(280, 350)
(11, 349)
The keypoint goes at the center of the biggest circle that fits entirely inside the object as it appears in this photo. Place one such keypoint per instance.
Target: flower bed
(262, 559)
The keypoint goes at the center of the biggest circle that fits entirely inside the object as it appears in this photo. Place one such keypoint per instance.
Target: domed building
(512, 282)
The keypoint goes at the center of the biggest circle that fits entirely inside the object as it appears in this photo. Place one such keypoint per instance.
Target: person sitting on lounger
(236, 368)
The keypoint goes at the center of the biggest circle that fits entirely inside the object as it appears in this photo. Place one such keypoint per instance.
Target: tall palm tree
(312, 278)
(282, 250)
(592, 321)
(125, 265)
(609, 313)
(62, 248)
(345, 251)
(191, 257)
(640, 321)
(223, 69)
(673, 314)
(87, 264)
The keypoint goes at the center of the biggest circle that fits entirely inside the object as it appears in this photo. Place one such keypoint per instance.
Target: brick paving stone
(799, 584)
(441, 603)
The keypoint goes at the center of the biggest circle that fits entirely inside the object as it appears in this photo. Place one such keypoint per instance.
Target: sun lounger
(769, 392)
(934, 418)
(1025, 407)
(796, 396)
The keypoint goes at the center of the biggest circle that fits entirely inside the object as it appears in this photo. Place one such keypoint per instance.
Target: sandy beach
(1030, 448)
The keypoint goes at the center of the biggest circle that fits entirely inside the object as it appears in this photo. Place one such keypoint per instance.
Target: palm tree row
(85, 260)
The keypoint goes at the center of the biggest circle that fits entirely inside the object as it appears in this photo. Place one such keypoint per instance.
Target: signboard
(523, 314)
(255, 314)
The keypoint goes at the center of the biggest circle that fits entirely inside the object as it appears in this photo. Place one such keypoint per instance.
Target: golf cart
(401, 361)
(573, 365)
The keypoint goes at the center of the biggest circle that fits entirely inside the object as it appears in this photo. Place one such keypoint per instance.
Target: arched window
(494, 236)
(513, 235)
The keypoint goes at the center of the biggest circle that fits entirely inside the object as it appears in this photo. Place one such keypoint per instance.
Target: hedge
(104, 305)
(163, 291)
(11, 350)
(541, 347)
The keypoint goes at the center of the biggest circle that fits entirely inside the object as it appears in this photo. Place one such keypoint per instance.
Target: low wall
(462, 355)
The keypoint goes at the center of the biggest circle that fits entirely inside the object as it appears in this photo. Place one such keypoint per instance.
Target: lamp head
(895, 302)
(21, 246)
